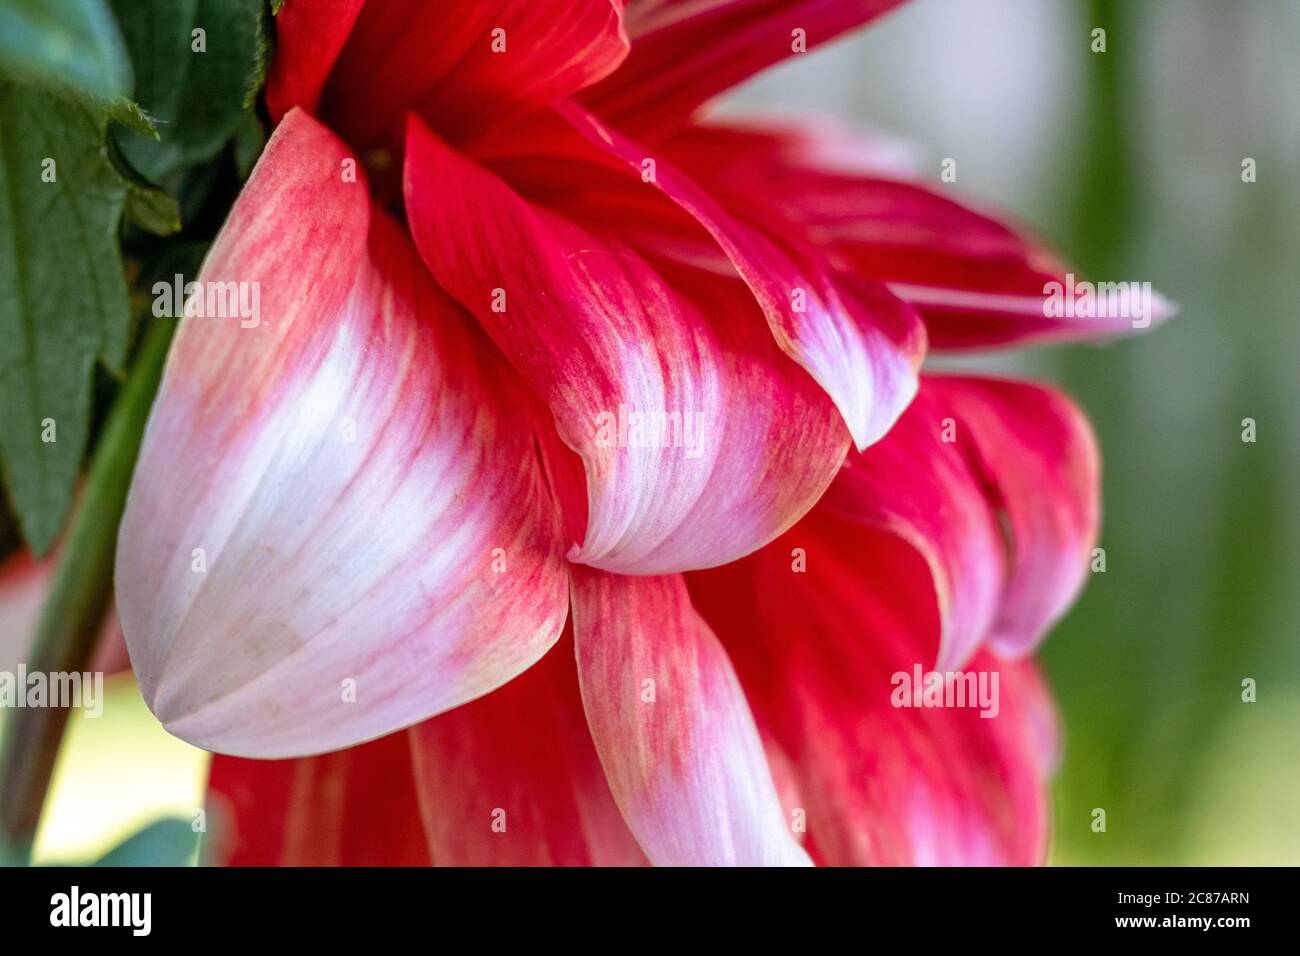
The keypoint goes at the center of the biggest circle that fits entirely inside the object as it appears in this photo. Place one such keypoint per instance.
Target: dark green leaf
(66, 43)
(63, 301)
(198, 88)
(165, 842)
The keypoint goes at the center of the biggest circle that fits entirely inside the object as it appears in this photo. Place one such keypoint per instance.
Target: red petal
(818, 653)
(684, 52)
(338, 525)
(672, 727)
(512, 779)
(440, 60)
(995, 484)
(701, 442)
(356, 807)
(309, 35)
(976, 282)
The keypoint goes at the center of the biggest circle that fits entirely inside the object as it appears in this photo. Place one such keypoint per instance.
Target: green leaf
(63, 300)
(198, 87)
(166, 842)
(147, 206)
(64, 43)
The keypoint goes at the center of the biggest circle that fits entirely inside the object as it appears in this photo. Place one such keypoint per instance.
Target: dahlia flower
(578, 497)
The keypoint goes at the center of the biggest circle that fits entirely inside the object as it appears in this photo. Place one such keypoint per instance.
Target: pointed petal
(309, 35)
(356, 807)
(338, 525)
(976, 281)
(862, 344)
(700, 440)
(684, 53)
(820, 652)
(512, 779)
(995, 484)
(463, 67)
(672, 727)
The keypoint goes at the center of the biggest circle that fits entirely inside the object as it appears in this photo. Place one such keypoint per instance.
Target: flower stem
(79, 596)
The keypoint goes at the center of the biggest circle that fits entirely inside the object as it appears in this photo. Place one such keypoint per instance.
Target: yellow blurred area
(115, 774)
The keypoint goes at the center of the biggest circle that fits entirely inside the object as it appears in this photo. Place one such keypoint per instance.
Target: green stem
(79, 596)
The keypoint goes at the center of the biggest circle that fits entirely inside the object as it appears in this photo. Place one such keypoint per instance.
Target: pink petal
(861, 343)
(818, 651)
(338, 525)
(444, 61)
(672, 727)
(976, 281)
(685, 52)
(995, 484)
(512, 779)
(356, 807)
(739, 442)
(309, 35)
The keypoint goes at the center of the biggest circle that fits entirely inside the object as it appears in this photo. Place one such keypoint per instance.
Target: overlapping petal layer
(995, 484)
(357, 807)
(862, 344)
(976, 282)
(338, 525)
(700, 441)
(512, 779)
(672, 727)
(819, 625)
(684, 52)
(463, 67)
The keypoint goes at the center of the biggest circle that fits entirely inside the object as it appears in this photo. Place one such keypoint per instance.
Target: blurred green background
(1130, 163)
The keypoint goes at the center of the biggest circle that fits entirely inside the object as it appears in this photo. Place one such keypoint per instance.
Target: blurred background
(1130, 163)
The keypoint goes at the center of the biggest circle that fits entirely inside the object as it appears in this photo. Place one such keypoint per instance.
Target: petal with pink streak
(512, 779)
(975, 280)
(338, 525)
(700, 441)
(860, 342)
(685, 52)
(819, 643)
(673, 729)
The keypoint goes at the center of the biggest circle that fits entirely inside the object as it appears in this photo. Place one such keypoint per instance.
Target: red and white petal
(338, 525)
(976, 281)
(995, 484)
(672, 727)
(464, 67)
(512, 779)
(309, 35)
(820, 625)
(356, 807)
(700, 441)
(861, 343)
(1033, 452)
(685, 52)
